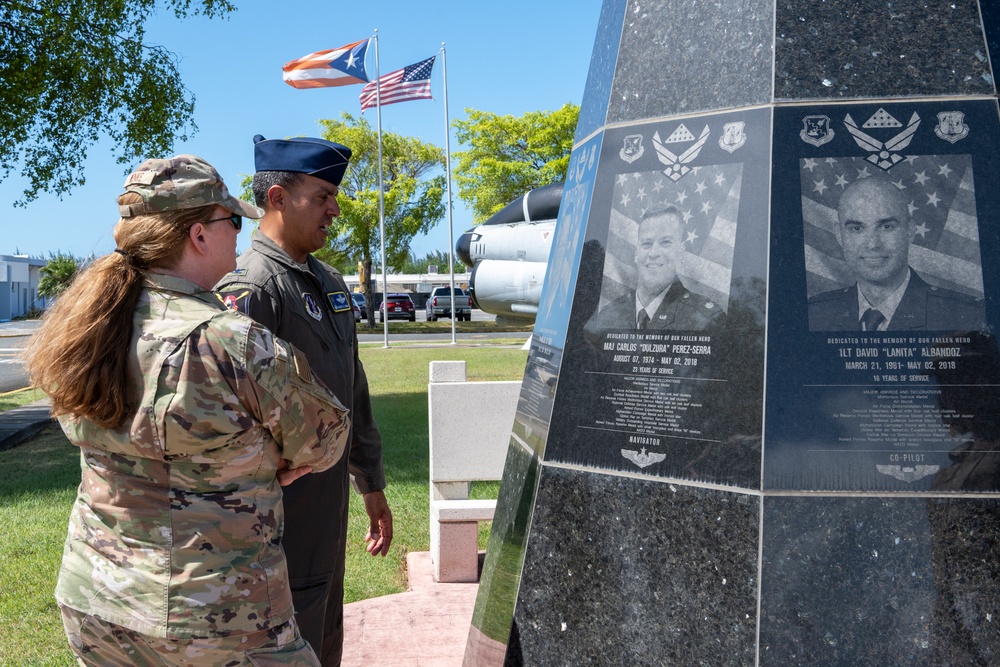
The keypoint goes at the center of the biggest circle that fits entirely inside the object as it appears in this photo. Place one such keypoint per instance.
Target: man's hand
(288, 475)
(379, 535)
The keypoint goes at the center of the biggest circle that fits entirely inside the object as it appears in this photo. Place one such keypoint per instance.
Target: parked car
(357, 311)
(400, 307)
(359, 300)
(439, 304)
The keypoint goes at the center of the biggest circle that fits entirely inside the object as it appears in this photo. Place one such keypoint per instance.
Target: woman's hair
(80, 354)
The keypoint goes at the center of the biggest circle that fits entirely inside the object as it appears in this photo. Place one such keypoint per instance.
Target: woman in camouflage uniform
(188, 416)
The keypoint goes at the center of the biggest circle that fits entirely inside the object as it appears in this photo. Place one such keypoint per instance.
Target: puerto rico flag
(413, 82)
(324, 69)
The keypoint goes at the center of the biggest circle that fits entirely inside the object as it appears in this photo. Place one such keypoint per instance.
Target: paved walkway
(427, 626)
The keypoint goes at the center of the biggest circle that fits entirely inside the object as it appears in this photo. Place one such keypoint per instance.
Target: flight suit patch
(339, 301)
(312, 307)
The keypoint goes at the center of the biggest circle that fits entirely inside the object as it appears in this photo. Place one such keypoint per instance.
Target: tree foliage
(57, 274)
(413, 197)
(439, 258)
(72, 72)
(508, 156)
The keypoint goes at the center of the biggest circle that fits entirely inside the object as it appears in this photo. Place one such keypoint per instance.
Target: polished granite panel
(915, 407)
(686, 56)
(879, 581)
(594, 107)
(681, 398)
(622, 571)
(498, 586)
(850, 49)
(991, 24)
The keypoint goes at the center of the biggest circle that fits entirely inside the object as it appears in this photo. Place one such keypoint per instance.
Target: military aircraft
(509, 252)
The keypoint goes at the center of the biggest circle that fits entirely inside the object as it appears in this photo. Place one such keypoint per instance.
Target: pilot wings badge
(884, 155)
(951, 126)
(642, 459)
(633, 148)
(907, 473)
(677, 164)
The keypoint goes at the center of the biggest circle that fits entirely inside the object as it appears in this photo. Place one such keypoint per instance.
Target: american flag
(324, 69)
(942, 202)
(413, 82)
(708, 198)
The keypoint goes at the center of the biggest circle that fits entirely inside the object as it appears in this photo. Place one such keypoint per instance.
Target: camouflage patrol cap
(180, 182)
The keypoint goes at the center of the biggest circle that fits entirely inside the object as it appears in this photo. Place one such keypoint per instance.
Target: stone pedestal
(752, 478)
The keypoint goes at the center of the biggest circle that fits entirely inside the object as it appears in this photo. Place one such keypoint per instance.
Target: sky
(507, 58)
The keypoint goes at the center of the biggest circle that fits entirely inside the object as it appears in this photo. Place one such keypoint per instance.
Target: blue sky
(507, 58)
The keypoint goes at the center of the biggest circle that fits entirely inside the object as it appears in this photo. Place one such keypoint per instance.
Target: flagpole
(447, 168)
(381, 200)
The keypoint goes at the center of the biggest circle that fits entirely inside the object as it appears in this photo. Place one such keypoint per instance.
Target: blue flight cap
(316, 157)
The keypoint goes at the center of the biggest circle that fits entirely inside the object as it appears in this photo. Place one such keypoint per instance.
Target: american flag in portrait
(708, 198)
(942, 203)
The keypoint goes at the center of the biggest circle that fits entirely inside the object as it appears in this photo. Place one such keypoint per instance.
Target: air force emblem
(733, 136)
(311, 306)
(951, 126)
(884, 155)
(677, 164)
(633, 148)
(816, 130)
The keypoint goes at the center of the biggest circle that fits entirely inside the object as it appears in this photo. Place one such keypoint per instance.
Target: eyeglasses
(235, 219)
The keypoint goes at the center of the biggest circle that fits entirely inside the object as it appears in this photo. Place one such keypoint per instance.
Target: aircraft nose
(464, 249)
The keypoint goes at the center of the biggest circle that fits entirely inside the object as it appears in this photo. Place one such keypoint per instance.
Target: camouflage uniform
(176, 529)
(309, 306)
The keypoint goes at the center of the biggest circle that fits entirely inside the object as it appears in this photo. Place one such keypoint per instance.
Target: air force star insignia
(677, 164)
(884, 155)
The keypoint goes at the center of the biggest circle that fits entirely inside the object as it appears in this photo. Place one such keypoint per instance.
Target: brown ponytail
(80, 354)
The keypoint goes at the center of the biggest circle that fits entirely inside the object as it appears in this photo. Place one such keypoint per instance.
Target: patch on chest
(311, 306)
(338, 301)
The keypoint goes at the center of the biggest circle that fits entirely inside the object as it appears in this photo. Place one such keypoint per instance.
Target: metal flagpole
(447, 168)
(381, 199)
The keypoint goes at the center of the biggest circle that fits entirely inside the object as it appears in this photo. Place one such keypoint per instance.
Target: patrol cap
(316, 157)
(180, 182)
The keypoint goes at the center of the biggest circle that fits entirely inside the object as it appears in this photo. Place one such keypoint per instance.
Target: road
(13, 336)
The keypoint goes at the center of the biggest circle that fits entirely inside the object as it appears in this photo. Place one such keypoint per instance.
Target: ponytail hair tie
(124, 254)
(130, 258)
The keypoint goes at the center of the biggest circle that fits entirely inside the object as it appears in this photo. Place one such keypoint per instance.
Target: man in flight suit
(307, 303)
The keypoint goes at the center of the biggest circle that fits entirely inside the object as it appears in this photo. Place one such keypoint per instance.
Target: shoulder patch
(338, 301)
(709, 305)
(232, 299)
(312, 307)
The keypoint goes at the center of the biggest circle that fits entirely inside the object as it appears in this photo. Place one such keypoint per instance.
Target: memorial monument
(760, 417)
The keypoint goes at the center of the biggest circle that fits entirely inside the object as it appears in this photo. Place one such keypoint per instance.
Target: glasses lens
(237, 222)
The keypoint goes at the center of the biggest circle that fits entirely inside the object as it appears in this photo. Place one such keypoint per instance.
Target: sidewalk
(19, 424)
(425, 627)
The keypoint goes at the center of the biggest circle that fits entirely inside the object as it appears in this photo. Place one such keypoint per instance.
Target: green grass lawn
(39, 482)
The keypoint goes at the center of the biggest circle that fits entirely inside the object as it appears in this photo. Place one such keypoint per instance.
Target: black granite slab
(687, 56)
(622, 571)
(910, 408)
(849, 49)
(879, 581)
(500, 581)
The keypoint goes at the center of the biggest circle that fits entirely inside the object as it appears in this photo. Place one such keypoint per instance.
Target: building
(19, 276)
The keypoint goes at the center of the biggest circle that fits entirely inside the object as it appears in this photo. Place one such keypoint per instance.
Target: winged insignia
(884, 155)
(642, 459)
(907, 473)
(676, 164)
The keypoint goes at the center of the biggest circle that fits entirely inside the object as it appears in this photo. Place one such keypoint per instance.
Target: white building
(19, 276)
